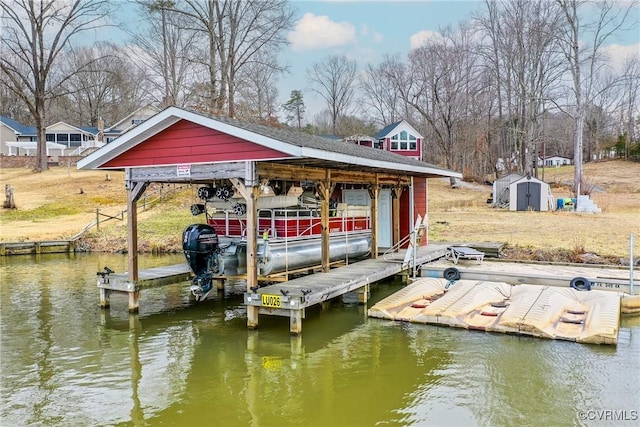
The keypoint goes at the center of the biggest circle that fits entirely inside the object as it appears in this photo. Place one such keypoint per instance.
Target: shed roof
(303, 149)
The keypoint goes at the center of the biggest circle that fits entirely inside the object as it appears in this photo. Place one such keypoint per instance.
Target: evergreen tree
(295, 108)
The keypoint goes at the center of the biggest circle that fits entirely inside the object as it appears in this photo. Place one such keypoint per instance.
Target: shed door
(528, 196)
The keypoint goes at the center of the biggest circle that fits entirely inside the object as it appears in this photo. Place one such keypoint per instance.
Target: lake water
(66, 362)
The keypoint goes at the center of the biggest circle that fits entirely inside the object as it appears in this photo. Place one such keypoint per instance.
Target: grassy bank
(59, 203)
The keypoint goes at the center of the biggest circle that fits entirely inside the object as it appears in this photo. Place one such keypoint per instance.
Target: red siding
(187, 142)
(420, 202)
(420, 207)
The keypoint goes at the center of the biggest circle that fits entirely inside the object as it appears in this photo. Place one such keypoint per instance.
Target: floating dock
(541, 311)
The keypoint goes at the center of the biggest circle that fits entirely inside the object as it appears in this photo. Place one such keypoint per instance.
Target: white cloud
(319, 32)
(375, 36)
(418, 39)
(619, 54)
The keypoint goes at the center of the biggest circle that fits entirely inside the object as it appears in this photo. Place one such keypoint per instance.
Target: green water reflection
(64, 361)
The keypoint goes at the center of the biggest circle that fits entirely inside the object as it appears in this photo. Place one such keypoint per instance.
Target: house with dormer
(400, 138)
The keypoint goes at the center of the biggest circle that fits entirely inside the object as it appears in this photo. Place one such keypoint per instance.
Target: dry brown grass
(50, 204)
(50, 207)
(462, 214)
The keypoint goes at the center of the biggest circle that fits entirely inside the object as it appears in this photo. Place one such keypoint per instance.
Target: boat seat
(456, 253)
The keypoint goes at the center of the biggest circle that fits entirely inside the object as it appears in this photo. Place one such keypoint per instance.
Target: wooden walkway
(43, 247)
(149, 278)
(291, 298)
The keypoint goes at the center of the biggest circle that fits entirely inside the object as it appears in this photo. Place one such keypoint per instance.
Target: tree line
(520, 78)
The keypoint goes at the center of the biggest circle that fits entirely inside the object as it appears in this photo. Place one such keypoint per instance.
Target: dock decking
(291, 298)
(149, 278)
(288, 298)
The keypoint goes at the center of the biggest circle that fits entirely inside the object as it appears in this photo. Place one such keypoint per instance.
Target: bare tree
(164, 51)
(521, 55)
(581, 43)
(334, 80)
(35, 33)
(381, 102)
(236, 33)
(98, 76)
(257, 92)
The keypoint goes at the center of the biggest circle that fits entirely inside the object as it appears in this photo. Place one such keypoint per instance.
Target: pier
(43, 247)
(291, 298)
(110, 282)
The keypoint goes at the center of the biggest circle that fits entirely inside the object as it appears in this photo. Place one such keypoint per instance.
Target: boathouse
(181, 146)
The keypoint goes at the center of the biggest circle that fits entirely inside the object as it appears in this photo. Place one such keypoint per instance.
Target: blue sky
(367, 30)
(364, 31)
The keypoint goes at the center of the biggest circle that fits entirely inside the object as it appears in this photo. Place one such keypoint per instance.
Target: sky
(364, 31)
(368, 30)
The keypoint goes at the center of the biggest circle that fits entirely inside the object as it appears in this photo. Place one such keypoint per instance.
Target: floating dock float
(541, 311)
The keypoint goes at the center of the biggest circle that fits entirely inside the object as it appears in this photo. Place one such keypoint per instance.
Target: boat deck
(541, 311)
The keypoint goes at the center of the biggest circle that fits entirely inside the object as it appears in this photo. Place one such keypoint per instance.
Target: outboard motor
(200, 245)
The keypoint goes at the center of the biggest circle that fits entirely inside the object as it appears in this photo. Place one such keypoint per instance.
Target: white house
(554, 161)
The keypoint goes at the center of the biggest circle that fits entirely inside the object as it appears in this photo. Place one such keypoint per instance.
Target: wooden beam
(135, 191)
(250, 195)
(294, 173)
(188, 173)
(374, 193)
(325, 188)
(396, 192)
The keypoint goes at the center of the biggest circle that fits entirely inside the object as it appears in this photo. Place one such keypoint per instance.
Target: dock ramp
(540, 311)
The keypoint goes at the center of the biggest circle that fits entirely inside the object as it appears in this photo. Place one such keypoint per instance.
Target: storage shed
(501, 189)
(529, 193)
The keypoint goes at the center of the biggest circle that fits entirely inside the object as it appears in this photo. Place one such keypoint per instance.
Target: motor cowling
(201, 249)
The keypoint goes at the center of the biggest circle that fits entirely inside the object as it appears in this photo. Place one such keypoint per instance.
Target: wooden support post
(363, 294)
(295, 324)
(324, 189)
(105, 300)
(374, 192)
(296, 345)
(396, 193)
(220, 284)
(136, 189)
(249, 191)
(37, 248)
(325, 305)
(134, 299)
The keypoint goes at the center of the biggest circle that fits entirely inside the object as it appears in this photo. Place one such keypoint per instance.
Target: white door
(385, 223)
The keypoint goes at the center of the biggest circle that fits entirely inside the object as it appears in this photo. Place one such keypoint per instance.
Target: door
(528, 196)
(385, 223)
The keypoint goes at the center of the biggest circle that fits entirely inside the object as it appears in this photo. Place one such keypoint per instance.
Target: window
(404, 141)
(394, 142)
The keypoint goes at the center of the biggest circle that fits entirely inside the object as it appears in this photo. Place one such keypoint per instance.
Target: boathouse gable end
(191, 143)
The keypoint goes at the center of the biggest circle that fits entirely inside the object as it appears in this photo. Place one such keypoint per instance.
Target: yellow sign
(272, 301)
